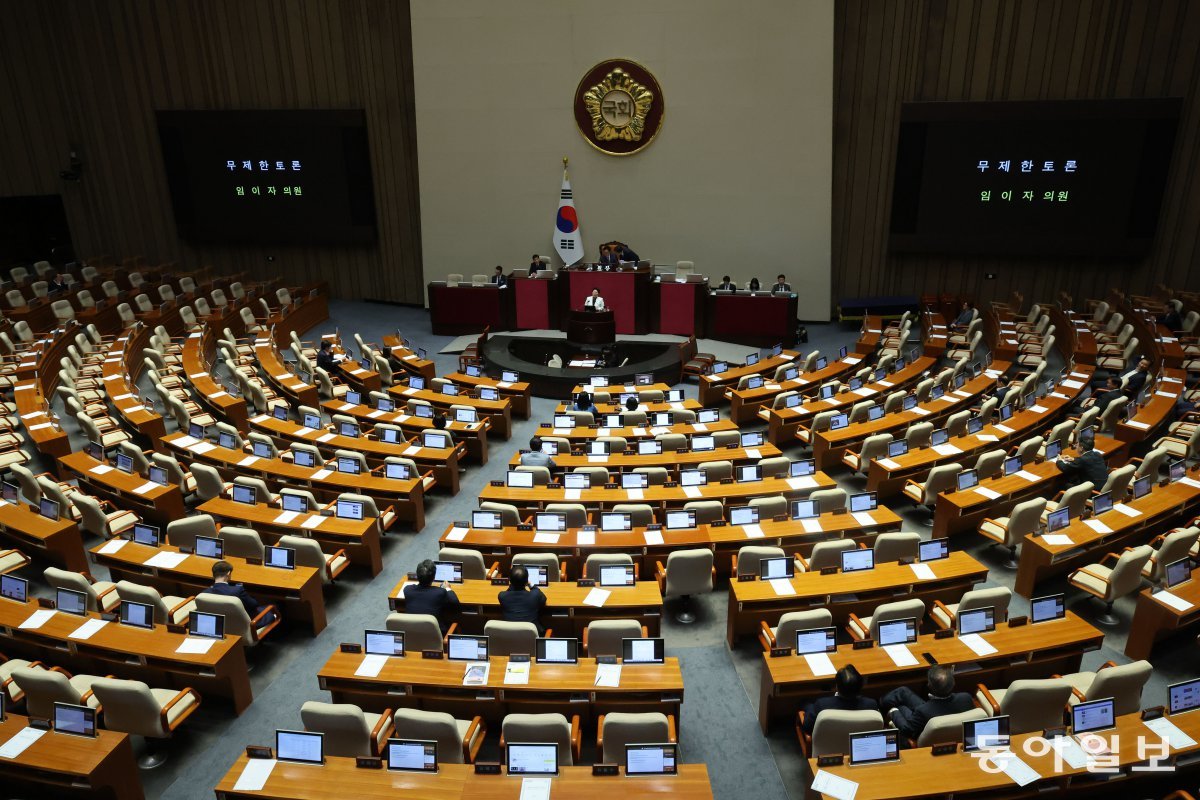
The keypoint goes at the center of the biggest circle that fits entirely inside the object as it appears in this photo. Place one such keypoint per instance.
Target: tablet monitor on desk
(986, 734)
(634, 480)
(210, 547)
(777, 567)
(805, 509)
(649, 447)
(125, 463)
(465, 415)
(938, 393)
(564, 421)
(1179, 572)
(245, 494)
(751, 359)
(137, 615)
(226, 440)
(857, 560)
(411, 755)
(1048, 608)
(864, 501)
(146, 534)
(743, 515)
(349, 509)
(967, 479)
(396, 472)
(675, 396)
(1005, 413)
(1102, 503)
(908, 403)
(933, 550)
(855, 384)
(874, 412)
(1142, 486)
(940, 436)
(158, 475)
(754, 382)
(448, 571)
(897, 631)
(473, 371)
(897, 449)
(1058, 519)
(708, 415)
(752, 439)
(802, 468)
(95, 450)
(279, 557)
(1012, 465)
(663, 418)
(416, 382)
(815, 640)
(1184, 696)
(827, 391)
(613, 521)
(385, 404)
(874, 747)
(611, 421)
(537, 574)
(1053, 450)
(435, 440)
(531, 758)
(297, 503)
(556, 651)
(48, 508)
(719, 367)
(575, 480)
(617, 575)
(75, 720)
(749, 473)
(14, 588)
(518, 479)
(1177, 470)
(303, 458)
(383, 643)
(312, 421)
(1093, 715)
(300, 747)
(792, 400)
(71, 601)
(354, 398)
(598, 380)
(349, 429)
(486, 520)
(646, 650)
(9, 491)
(207, 626)
(549, 521)
(974, 425)
(651, 759)
(449, 389)
(467, 648)
(423, 411)
(790, 374)
(693, 477)
(977, 620)
(680, 520)
(550, 448)
(508, 376)
(196, 430)
(702, 443)
(488, 393)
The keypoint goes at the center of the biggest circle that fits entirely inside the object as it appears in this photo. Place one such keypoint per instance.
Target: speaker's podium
(591, 327)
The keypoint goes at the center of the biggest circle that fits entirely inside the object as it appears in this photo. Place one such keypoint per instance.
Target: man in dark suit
(727, 285)
(521, 602)
(222, 571)
(847, 697)
(625, 253)
(325, 358)
(1135, 379)
(535, 264)
(1101, 398)
(781, 285)
(910, 714)
(499, 279)
(425, 598)
(1089, 466)
(609, 256)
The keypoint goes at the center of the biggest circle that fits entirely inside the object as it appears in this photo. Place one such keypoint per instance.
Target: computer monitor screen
(48, 508)
(95, 450)
(751, 359)
(139, 615)
(526, 758)
(908, 403)
(777, 348)
(279, 557)
(354, 398)
(752, 439)
(75, 720)
(196, 430)
(550, 448)
(1045, 609)
(977, 620)
(349, 429)
(210, 547)
(146, 534)
(780, 567)
(124, 463)
(874, 747)
(158, 475)
(1053, 450)
(312, 421)
(473, 371)
(838, 421)
(967, 479)
(1179, 571)
(348, 466)
(537, 574)
(303, 458)
(1012, 465)
(411, 755)
(1058, 519)
(678, 520)
(1142, 486)
(974, 425)
(464, 415)
(1177, 470)
(749, 473)
(9, 491)
(855, 384)
(467, 648)
(245, 494)
(1094, 715)
(557, 651)
(486, 520)
(692, 477)
(940, 436)
(898, 631)
(383, 643)
(1184, 696)
(650, 650)
(707, 415)
(675, 396)
(549, 521)
(14, 588)
(802, 468)
(396, 472)
(208, 626)
(294, 502)
(700, 443)
(938, 392)
(874, 413)
(1005, 413)
(564, 421)
(719, 367)
(508, 376)
(805, 509)
(385, 404)
(613, 521)
(449, 389)
(743, 515)
(662, 418)
(488, 393)
(634, 480)
(448, 571)
(649, 447)
(754, 382)
(280, 413)
(897, 449)
(70, 601)
(857, 560)
(519, 480)
(611, 421)
(300, 746)
(790, 374)
(598, 380)
(435, 440)
(933, 550)
(617, 575)
(816, 640)
(792, 400)
(424, 411)
(1102, 503)
(651, 759)
(416, 382)
(226, 440)
(866, 501)
(821, 363)
(985, 734)
(349, 509)
(827, 391)
(576, 480)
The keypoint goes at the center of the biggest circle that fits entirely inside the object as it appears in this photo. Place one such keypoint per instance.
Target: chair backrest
(989, 464)
(1152, 462)
(421, 631)
(308, 554)
(548, 560)
(947, 728)
(1126, 575)
(540, 728)
(130, 707)
(242, 542)
(1119, 480)
(439, 726)
(1035, 704)
(831, 733)
(655, 476)
(689, 572)
(541, 475)
(509, 516)
(775, 467)
(873, 447)
(604, 636)
(640, 514)
(707, 511)
(621, 729)
(1123, 683)
(507, 638)
(1024, 519)
(597, 476)
(576, 513)
(997, 597)
(829, 499)
(472, 560)
(591, 567)
(919, 434)
(899, 609)
(65, 579)
(1175, 545)
(92, 516)
(895, 546)
(792, 621)
(43, 688)
(237, 621)
(1076, 498)
(769, 507)
(940, 479)
(828, 553)
(138, 593)
(344, 725)
(956, 424)
(749, 555)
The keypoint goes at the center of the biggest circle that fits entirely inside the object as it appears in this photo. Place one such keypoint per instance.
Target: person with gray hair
(910, 714)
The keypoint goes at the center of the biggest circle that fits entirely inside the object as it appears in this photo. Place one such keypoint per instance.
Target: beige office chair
(544, 728)
(168, 610)
(945, 615)
(593, 563)
(1031, 705)
(541, 475)
(576, 513)
(990, 464)
(99, 522)
(100, 595)
(237, 621)
(746, 561)
(262, 493)
(12, 560)
(241, 542)
(8, 686)
(1109, 584)
(892, 547)
(918, 435)
(825, 554)
(707, 511)
(421, 631)
(509, 515)
(1123, 683)
(605, 637)
(947, 728)
(717, 471)
(783, 634)
(1172, 546)
(769, 507)
(940, 479)
(1118, 482)
(1074, 498)
(386, 518)
(615, 730)
(42, 688)
(775, 467)
(182, 533)
(597, 476)
(872, 447)
(1152, 463)
(861, 628)
(133, 707)
(828, 500)
(458, 741)
(831, 733)
(474, 568)
(640, 514)
(349, 731)
(209, 483)
(1010, 531)
(309, 554)
(507, 638)
(687, 573)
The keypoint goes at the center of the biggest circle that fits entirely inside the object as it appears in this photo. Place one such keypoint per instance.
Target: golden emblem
(618, 106)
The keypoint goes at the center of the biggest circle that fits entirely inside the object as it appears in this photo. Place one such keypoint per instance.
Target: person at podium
(595, 302)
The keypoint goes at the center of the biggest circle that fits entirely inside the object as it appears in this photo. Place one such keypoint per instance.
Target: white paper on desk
(900, 655)
(596, 598)
(692, 491)
(923, 571)
(1003, 429)
(376, 413)
(1171, 733)
(196, 646)
(371, 666)
(303, 431)
(32, 415)
(1097, 526)
(1173, 600)
(503, 384)
(753, 531)
(563, 431)
(148, 486)
(1027, 475)
(247, 461)
(314, 521)
(1011, 765)
(39, 427)
(597, 459)
(803, 482)
(1164, 394)
(1059, 395)
(455, 535)
(946, 449)
(1135, 424)
(100, 469)
(572, 494)
(887, 463)
(1073, 384)
(653, 537)
(585, 538)
(604, 431)
(1058, 540)
(166, 560)
(546, 538)
(864, 391)
(88, 629)
(535, 788)
(977, 644)
(1192, 482)
(863, 518)
(812, 525)
(185, 441)
(1070, 751)
(782, 587)
(285, 517)
(639, 432)
(199, 448)
(983, 491)
(20, 742)
(920, 412)
(699, 426)
(834, 786)
(111, 546)
(635, 494)
(753, 453)
(987, 437)
(516, 673)
(254, 775)
(321, 474)
(608, 675)
(326, 437)
(37, 619)
(886, 384)
(411, 450)
(962, 393)
(851, 360)
(820, 664)
(1128, 511)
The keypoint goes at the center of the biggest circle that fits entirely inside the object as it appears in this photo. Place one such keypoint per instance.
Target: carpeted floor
(720, 711)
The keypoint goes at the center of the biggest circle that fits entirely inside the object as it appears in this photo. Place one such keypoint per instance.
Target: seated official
(441, 422)
(499, 279)
(521, 602)
(1135, 379)
(534, 265)
(1102, 397)
(1171, 320)
(847, 697)
(609, 257)
(727, 285)
(535, 457)
(963, 320)
(56, 283)
(423, 597)
(594, 301)
(625, 253)
(632, 404)
(326, 359)
(583, 402)
(781, 285)
(754, 286)
(1002, 391)
(222, 571)
(910, 714)
(1089, 466)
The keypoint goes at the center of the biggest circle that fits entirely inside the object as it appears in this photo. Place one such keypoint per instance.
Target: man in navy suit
(847, 697)
(910, 714)
(425, 598)
(521, 602)
(222, 571)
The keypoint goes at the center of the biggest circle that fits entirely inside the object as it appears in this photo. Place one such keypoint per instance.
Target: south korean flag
(567, 240)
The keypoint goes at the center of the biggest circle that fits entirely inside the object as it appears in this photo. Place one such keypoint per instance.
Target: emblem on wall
(619, 107)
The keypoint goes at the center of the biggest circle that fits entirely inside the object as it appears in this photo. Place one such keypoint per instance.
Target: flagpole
(564, 167)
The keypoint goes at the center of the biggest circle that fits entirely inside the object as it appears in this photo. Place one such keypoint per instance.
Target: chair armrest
(470, 752)
(600, 737)
(803, 738)
(991, 701)
(767, 638)
(107, 591)
(660, 574)
(449, 632)
(185, 692)
(494, 570)
(856, 621)
(576, 737)
(1084, 570)
(671, 734)
(385, 723)
(254, 623)
(1108, 664)
(183, 603)
(949, 614)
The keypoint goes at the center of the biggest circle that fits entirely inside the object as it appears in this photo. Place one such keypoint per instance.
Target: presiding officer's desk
(437, 685)
(1140, 756)
(59, 541)
(473, 435)
(566, 611)
(626, 292)
(151, 656)
(648, 545)
(61, 765)
(757, 602)
(714, 385)
(1027, 651)
(341, 777)
(1155, 617)
(297, 592)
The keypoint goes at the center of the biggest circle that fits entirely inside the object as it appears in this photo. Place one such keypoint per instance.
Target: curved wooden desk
(71, 766)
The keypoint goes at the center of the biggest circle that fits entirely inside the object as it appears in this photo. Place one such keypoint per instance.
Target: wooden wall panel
(890, 52)
(93, 72)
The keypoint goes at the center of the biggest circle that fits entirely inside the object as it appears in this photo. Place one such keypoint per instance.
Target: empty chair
(832, 730)
(940, 479)
(385, 518)
(182, 533)
(349, 731)
(261, 493)
(241, 542)
(544, 728)
(828, 500)
(473, 566)
(45, 687)
(1108, 584)
(1172, 546)
(63, 310)
(1151, 463)
(868, 627)
(421, 631)
(769, 507)
(918, 435)
(605, 637)
(133, 707)
(237, 621)
(618, 729)
(591, 567)
(168, 609)
(687, 573)
(597, 476)
(872, 447)
(655, 476)
(100, 595)
(775, 467)
(640, 514)
(990, 464)
(1075, 499)
(509, 515)
(507, 638)
(1010, 531)
(96, 520)
(458, 741)
(945, 615)
(209, 484)
(1123, 683)
(1118, 481)
(1031, 705)
(784, 632)
(746, 562)
(576, 513)
(825, 554)
(897, 546)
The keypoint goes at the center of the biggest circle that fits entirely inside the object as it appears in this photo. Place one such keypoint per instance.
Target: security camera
(74, 170)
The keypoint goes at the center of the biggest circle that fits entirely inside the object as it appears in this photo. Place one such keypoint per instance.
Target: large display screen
(270, 177)
(1032, 178)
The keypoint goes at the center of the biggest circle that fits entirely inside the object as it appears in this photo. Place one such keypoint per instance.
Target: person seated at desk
(535, 457)
(594, 301)
(910, 714)
(1102, 397)
(583, 402)
(222, 571)
(963, 320)
(1135, 379)
(423, 597)
(846, 697)
(521, 602)
(1089, 466)
(499, 278)
(535, 264)
(326, 359)
(441, 422)
(609, 257)
(781, 285)
(57, 284)
(632, 404)
(625, 253)
(1171, 320)
(753, 286)
(727, 285)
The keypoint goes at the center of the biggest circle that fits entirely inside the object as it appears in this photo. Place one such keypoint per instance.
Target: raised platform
(528, 355)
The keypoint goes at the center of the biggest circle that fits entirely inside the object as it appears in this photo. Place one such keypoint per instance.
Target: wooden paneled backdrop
(890, 51)
(91, 73)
